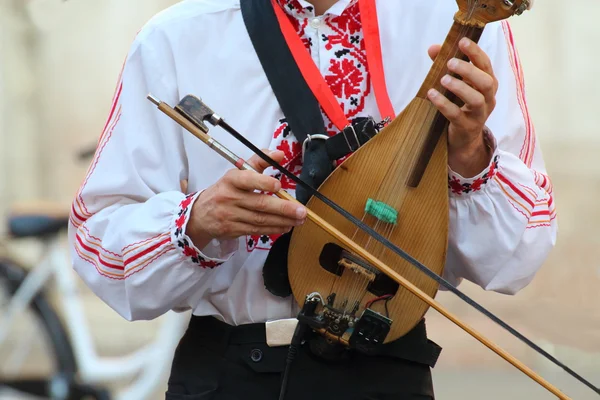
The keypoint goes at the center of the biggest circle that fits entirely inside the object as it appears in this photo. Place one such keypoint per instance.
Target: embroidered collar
(303, 9)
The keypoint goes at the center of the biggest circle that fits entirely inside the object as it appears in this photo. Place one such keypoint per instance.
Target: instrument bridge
(355, 265)
(345, 315)
(338, 261)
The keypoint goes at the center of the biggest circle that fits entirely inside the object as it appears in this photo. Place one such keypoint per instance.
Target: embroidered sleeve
(460, 186)
(214, 255)
(503, 222)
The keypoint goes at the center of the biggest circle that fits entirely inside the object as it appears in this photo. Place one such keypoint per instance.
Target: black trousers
(215, 361)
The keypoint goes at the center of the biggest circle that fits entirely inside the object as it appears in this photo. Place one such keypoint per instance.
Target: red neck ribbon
(313, 77)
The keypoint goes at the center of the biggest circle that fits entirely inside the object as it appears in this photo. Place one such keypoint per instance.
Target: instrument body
(404, 170)
(422, 228)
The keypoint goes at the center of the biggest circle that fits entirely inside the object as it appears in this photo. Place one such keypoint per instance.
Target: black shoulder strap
(302, 112)
(295, 98)
(303, 115)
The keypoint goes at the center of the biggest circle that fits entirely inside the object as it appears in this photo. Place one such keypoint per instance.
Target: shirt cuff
(460, 186)
(213, 255)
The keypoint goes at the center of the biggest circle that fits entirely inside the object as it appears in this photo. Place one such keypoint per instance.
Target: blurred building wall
(18, 105)
(64, 64)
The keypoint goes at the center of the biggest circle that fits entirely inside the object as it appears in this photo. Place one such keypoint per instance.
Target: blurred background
(59, 63)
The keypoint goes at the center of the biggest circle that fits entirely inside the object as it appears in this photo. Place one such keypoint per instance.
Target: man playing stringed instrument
(145, 248)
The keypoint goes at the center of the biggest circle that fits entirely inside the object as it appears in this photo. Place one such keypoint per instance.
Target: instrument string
(392, 192)
(396, 193)
(399, 184)
(393, 189)
(359, 290)
(355, 284)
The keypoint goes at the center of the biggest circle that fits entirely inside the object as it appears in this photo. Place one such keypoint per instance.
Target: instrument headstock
(482, 12)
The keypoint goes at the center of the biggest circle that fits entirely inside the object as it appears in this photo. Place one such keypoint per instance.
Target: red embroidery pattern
(460, 187)
(341, 40)
(183, 242)
(294, 7)
(264, 242)
(345, 80)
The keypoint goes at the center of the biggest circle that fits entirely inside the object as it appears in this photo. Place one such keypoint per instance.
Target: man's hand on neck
(322, 5)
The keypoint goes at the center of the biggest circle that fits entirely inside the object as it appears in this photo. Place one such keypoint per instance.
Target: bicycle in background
(72, 369)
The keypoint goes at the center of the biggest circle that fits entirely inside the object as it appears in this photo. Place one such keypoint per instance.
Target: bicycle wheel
(36, 357)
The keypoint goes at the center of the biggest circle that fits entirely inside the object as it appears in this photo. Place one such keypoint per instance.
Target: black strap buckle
(353, 137)
(309, 138)
(352, 146)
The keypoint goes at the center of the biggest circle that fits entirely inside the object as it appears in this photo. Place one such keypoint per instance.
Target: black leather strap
(303, 115)
(298, 103)
(351, 138)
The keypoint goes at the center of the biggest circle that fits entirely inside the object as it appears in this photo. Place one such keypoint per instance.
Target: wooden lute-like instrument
(397, 184)
(354, 271)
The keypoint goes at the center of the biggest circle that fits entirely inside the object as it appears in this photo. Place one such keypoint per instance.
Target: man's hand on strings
(468, 154)
(231, 208)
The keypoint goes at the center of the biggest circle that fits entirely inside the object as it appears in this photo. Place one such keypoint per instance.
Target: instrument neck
(448, 51)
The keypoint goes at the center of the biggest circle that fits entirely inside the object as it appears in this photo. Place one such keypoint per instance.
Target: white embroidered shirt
(129, 218)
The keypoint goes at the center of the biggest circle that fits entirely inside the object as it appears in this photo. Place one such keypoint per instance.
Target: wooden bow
(199, 130)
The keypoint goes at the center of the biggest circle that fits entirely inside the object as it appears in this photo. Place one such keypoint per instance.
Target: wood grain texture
(404, 166)
(438, 70)
(422, 230)
(448, 51)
